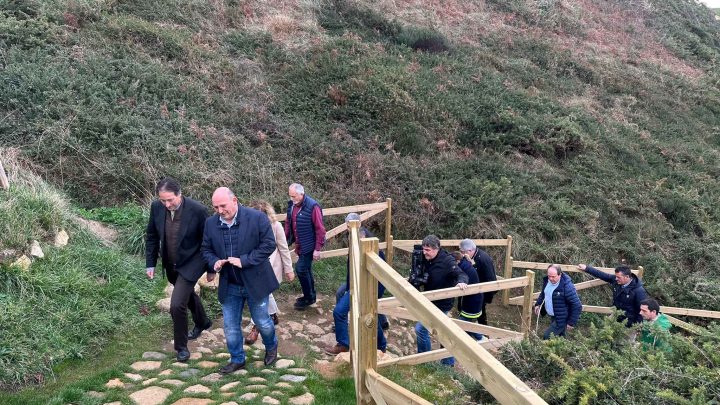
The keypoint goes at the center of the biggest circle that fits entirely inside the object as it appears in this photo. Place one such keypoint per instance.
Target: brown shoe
(252, 337)
(337, 349)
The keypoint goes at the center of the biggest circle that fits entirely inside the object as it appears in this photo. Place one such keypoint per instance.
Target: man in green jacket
(653, 322)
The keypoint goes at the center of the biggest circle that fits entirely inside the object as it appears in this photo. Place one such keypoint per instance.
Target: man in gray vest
(175, 233)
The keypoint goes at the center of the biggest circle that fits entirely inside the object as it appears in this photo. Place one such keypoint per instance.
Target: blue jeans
(303, 268)
(474, 335)
(553, 329)
(425, 345)
(344, 288)
(232, 310)
(342, 336)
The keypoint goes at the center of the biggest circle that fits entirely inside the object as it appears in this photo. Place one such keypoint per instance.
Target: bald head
(225, 203)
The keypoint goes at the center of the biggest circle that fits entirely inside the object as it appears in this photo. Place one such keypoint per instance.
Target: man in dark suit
(237, 243)
(175, 232)
(485, 269)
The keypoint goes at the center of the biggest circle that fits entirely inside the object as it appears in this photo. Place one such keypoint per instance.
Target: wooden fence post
(388, 232)
(508, 272)
(3, 178)
(525, 327)
(367, 331)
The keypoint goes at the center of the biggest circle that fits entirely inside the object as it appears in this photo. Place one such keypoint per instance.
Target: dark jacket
(565, 301)
(470, 305)
(188, 262)
(626, 299)
(444, 273)
(485, 270)
(305, 228)
(257, 243)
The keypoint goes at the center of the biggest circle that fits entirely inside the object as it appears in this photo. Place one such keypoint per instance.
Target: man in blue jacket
(237, 243)
(559, 300)
(628, 291)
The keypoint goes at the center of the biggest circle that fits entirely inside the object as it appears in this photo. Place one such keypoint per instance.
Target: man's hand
(234, 261)
(537, 310)
(290, 276)
(582, 267)
(150, 271)
(210, 277)
(218, 264)
(461, 285)
(316, 255)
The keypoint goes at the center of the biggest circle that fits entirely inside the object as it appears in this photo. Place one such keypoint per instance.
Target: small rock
(115, 383)
(150, 396)
(145, 365)
(320, 311)
(149, 381)
(268, 371)
(113, 403)
(229, 386)
(327, 340)
(207, 364)
(23, 263)
(304, 399)
(314, 329)
(293, 378)
(191, 372)
(297, 370)
(134, 377)
(198, 389)
(321, 320)
(257, 379)
(181, 365)
(249, 396)
(193, 401)
(169, 289)
(154, 356)
(61, 239)
(165, 372)
(95, 394)
(270, 400)
(175, 383)
(205, 350)
(294, 326)
(163, 305)
(195, 356)
(214, 377)
(342, 358)
(321, 362)
(256, 387)
(284, 363)
(283, 385)
(258, 364)
(36, 250)
(240, 372)
(230, 403)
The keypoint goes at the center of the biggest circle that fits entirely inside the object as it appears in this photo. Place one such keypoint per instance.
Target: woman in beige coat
(279, 259)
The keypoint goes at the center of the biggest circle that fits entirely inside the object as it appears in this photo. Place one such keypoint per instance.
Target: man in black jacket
(175, 232)
(443, 273)
(628, 291)
(485, 269)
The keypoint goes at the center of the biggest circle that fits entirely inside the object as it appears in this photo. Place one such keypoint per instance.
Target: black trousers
(184, 298)
(482, 320)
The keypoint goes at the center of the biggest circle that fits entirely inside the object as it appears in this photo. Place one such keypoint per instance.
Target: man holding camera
(441, 271)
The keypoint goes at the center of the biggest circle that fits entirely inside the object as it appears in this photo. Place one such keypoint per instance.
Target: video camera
(418, 274)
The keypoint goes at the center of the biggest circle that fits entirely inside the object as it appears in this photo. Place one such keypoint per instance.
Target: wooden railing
(367, 268)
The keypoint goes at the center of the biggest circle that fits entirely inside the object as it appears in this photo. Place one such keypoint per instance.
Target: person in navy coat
(237, 243)
(559, 300)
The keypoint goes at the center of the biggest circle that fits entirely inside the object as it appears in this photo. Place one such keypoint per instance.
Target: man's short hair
(353, 216)
(557, 268)
(652, 304)
(298, 188)
(168, 185)
(431, 241)
(625, 270)
(467, 244)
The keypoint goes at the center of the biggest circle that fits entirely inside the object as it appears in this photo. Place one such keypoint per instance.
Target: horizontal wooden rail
(440, 354)
(579, 286)
(682, 324)
(500, 382)
(343, 227)
(385, 391)
(690, 312)
(457, 292)
(570, 268)
(493, 332)
(343, 210)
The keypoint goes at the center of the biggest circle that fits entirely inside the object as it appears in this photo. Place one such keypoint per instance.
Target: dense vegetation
(590, 131)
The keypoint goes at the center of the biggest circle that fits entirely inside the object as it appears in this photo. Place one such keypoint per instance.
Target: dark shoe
(231, 368)
(195, 333)
(337, 349)
(252, 336)
(270, 356)
(183, 355)
(385, 326)
(274, 318)
(304, 303)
